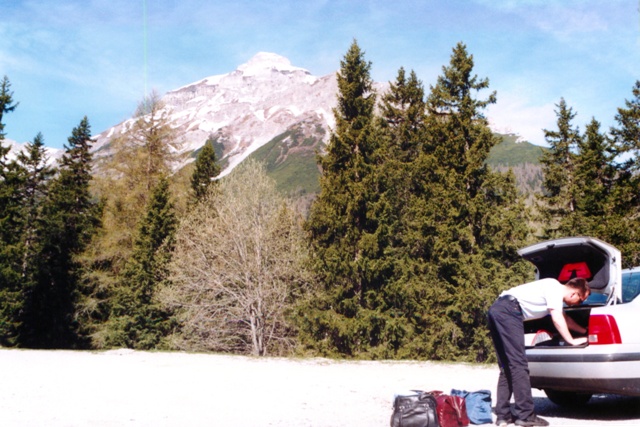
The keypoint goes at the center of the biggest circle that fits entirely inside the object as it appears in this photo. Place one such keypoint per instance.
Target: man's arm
(560, 323)
(573, 326)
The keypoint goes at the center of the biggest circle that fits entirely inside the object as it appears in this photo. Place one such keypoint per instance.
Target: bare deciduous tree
(238, 266)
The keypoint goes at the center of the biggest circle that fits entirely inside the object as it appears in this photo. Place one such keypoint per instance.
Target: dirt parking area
(129, 388)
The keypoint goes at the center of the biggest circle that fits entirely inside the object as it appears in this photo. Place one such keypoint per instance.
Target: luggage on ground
(451, 410)
(414, 409)
(478, 405)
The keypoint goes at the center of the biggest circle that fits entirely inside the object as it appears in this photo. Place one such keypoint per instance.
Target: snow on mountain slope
(245, 108)
(53, 154)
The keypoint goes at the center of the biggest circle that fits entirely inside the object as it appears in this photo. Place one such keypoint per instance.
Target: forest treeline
(410, 239)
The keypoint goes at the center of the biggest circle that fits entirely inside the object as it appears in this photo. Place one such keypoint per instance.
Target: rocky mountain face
(245, 109)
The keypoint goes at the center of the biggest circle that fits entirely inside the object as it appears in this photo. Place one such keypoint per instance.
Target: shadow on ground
(604, 407)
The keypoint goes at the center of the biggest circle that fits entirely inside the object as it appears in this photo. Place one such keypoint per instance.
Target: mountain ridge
(243, 109)
(272, 110)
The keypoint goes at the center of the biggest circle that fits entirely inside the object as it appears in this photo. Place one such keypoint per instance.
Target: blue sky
(69, 58)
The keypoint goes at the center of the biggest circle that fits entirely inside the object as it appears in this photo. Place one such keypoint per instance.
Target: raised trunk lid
(570, 256)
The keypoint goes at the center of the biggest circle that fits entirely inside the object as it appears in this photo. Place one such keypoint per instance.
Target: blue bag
(478, 405)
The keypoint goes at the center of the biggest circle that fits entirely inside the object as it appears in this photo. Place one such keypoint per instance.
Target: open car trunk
(542, 332)
(563, 259)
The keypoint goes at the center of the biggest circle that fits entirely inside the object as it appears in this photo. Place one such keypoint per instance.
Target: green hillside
(290, 159)
(511, 153)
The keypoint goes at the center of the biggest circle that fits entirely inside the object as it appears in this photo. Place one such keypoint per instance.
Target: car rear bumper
(623, 386)
(586, 370)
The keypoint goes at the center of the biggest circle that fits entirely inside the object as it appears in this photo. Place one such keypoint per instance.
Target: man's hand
(560, 323)
(578, 341)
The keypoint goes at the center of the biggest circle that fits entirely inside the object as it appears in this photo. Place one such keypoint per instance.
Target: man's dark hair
(580, 284)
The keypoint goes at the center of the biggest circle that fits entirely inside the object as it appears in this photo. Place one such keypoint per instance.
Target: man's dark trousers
(507, 333)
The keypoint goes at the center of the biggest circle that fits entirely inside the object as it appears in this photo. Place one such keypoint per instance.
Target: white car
(610, 361)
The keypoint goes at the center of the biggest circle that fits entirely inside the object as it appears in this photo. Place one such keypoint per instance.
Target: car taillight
(603, 329)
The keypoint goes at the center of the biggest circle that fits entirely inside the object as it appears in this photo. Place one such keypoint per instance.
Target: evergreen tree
(399, 172)
(627, 132)
(11, 250)
(595, 176)
(558, 201)
(37, 173)
(340, 224)
(10, 219)
(472, 222)
(205, 171)
(68, 221)
(7, 105)
(436, 240)
(7, 168)
(26, 181)
(137, 319)
(624, 220)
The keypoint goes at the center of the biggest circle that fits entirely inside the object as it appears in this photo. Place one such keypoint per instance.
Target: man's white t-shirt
(536, 298)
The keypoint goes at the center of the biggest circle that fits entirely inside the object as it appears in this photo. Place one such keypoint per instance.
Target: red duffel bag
(451, 410)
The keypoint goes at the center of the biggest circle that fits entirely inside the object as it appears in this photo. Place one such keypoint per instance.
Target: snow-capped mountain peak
(243, 109)
(264, 63)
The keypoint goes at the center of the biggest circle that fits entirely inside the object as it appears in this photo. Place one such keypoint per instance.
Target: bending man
(526, 302)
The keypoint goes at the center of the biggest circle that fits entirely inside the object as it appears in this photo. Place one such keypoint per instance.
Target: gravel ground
(127, 388)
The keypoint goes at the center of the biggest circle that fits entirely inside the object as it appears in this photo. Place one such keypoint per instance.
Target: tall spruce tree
(68, 221)
(400, 170)
(10, 219)
(205, 171)
(33, 162)
(7, 192)
(12, 224)
(398, 174)
(137, 319)
(595, 176)
(28, 179)
(558, 201)
(7, 104)
(625, 202)
(340, 224)
(473, 222)
(627, 132)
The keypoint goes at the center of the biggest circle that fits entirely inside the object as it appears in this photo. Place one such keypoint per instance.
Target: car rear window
(630, 286)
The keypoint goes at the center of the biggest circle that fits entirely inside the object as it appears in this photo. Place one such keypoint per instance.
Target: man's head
(577, 290)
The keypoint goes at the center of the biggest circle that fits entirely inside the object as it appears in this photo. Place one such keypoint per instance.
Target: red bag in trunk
(451, 410)
(576, 269)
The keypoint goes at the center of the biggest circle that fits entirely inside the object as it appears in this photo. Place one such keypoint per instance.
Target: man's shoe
(503, 423)
(532, 421)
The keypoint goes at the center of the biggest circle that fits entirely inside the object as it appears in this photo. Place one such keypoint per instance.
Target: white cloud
(569, 22)
(514, 114)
